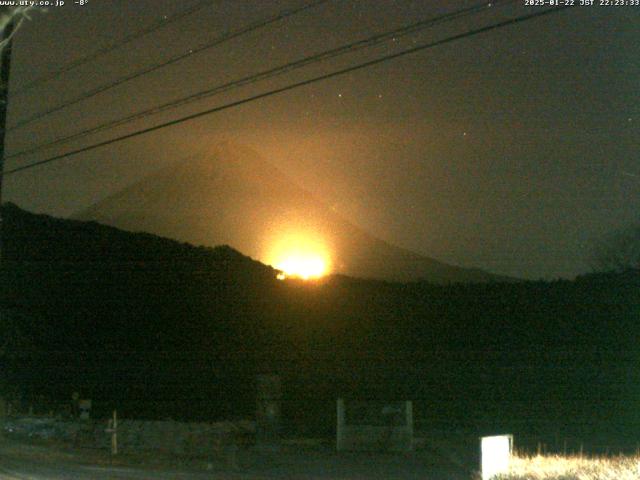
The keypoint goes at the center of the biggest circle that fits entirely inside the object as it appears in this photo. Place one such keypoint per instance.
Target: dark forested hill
(160, 328)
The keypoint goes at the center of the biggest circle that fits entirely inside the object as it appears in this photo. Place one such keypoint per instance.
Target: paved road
(15, 465)
(20, 470)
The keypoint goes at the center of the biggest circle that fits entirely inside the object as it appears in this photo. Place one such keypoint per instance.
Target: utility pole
(5, 66)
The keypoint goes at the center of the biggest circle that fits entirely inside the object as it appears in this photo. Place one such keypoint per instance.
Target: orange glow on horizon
(299, 255)
(304, 267)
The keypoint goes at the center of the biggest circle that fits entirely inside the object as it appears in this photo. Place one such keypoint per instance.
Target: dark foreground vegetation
(161, 329)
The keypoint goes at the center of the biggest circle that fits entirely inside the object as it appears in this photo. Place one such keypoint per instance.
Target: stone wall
(198, 439)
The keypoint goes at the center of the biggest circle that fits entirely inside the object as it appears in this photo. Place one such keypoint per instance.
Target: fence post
(114, 435)
(409, 422)
(340, 425)
(112, 428)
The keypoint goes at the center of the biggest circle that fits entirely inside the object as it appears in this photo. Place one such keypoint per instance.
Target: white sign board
(495, 454)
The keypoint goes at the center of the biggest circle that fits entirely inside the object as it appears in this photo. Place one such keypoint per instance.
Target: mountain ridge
(231, 195)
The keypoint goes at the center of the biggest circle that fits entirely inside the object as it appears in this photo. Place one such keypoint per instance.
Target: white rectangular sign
(495, 454)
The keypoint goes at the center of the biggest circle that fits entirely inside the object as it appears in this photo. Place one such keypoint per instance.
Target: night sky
(512, 151)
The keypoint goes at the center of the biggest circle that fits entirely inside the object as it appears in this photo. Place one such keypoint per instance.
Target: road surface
(24, 462)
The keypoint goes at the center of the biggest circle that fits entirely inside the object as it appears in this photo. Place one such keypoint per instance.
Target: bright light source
(298, 254)
(305, 267)
(496, 455)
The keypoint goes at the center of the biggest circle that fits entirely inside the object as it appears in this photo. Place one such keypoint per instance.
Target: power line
(279, 70)
(163, 22)
(176, 58)
(292, 86)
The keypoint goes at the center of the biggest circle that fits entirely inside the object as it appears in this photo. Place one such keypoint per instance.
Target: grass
(557, 467)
